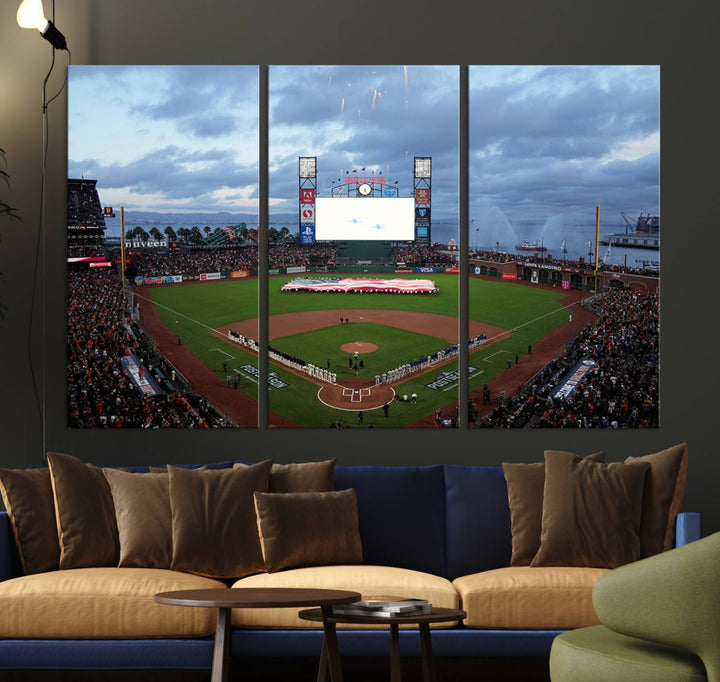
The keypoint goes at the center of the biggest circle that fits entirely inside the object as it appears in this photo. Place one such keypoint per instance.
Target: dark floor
(305, 670)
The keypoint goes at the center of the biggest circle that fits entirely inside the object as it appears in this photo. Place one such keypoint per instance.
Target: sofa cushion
(85, 514)
(302, 477)
(370, 581)
(28, 498)
(662, 498)
(591, 512)
(99, 603)
(308, 529)
(142, 508)
(402, 514)
(526, 485)
(214, 531)
(528, 598)
(478, 520)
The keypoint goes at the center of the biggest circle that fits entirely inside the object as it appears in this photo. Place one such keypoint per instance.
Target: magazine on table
(383, 607)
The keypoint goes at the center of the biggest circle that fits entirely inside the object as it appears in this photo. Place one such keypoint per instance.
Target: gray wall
(281, 31)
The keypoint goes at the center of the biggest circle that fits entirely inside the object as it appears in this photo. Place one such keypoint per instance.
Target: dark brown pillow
(300, 477)
(87, 529)
(142, 509)
(662, 499)
(525, 484)
(28, 498)
(214, 532)
(591, 512)
(308, 529)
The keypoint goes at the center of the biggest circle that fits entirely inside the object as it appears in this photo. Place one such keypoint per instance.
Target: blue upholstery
(478, 520)
(402, 515)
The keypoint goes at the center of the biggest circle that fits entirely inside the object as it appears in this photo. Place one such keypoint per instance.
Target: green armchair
(660, 622)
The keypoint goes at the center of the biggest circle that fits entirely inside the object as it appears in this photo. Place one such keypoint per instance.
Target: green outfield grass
(191, 310)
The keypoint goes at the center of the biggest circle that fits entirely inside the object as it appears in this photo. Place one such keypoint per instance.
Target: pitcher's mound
(361, 347)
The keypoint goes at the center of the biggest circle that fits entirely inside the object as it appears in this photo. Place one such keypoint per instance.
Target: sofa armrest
(10, 566)
(688, 528)
(672, 598)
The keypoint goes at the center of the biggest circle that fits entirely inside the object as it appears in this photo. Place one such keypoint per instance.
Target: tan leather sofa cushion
(370, 581)
(102, 603)
(522, 597)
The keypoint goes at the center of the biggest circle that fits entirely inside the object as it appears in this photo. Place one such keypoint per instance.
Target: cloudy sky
(548, 142)
(377, 117)
(545, 142)
(166, 138)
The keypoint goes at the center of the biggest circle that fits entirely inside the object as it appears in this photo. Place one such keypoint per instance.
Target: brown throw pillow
(28, 498)
(214, 532)
(308, 529)
(84, 512)
(142, 508)
(591, 512)
(300, 477)
(663, 498)
(525, 484)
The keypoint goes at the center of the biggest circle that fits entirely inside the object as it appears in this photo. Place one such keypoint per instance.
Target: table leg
(221, 652)
(395, 668)
(427, 653)
(331, 644)
(323, 667)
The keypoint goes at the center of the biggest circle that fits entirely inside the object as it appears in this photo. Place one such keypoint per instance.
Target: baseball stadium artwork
(162, 199)
(564, 207)
(363, 332)
(363, 261)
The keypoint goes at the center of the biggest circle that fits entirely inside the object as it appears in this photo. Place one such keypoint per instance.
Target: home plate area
(355, 395)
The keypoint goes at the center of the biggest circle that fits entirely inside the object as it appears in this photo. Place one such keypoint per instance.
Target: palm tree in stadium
(156, 234)
(170, 233)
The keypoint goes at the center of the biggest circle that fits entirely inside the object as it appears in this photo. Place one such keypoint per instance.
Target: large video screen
(366, 218)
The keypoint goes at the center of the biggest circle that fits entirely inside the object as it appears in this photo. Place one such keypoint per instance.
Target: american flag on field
(362, 284)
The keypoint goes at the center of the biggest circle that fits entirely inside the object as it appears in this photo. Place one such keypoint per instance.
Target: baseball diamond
(327, 328)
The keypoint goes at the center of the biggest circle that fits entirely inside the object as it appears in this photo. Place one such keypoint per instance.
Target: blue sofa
(448, 521)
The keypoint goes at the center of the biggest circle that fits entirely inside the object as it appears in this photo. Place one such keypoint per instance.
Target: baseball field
(387, 330)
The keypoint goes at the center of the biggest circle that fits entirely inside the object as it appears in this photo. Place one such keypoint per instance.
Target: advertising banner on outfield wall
(453, 270)
(204, 276)
(276, 271)
(509, 275)
(166, 279)
(294, 270)
(239, 274)
(426, 269)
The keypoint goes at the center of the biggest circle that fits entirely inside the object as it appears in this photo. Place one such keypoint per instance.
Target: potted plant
(6, 211)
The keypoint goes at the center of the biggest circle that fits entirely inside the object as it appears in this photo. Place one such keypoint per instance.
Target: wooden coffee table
(258, 598)
(330, 650)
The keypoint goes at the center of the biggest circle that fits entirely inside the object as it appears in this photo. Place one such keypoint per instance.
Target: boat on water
(644, 234)
(526, 245)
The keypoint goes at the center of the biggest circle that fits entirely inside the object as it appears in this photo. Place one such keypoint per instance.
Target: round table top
(437, 615)
(256, 597)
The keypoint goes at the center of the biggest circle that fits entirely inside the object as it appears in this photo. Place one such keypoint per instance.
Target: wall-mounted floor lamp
(30, 14)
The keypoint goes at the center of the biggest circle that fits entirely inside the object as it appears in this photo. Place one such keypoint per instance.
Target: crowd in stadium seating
(621, 392)
(423, 255)
(501, 257)
(83, 205)
(86, 249)
(100, 392)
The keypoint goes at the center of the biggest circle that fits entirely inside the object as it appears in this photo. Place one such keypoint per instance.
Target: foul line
(177, 312)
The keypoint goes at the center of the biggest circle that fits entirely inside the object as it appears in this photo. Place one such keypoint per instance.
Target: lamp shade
(30, 14)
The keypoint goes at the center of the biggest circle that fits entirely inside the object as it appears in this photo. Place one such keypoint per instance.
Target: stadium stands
(621, 391)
